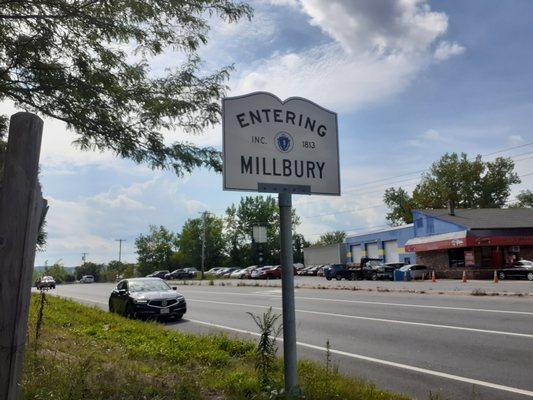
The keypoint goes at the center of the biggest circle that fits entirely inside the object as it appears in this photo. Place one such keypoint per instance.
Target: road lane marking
(384, 362)
(393, 321)
(364, 358)
(266, 294)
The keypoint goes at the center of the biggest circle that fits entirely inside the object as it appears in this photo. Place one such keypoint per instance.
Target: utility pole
(83, 257)
(120, 248)
(204, 217)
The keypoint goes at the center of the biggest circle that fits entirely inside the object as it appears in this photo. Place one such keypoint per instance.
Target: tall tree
(299, 244)
(87, 63)
(189, 242)
(524, 199)
(241, 218)
(331, 238)
(155, 249)
(468, 183)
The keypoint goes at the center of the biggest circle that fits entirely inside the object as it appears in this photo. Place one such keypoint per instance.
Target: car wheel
(374, 277)
(328, 278)
(130, 311)
(338, 277)
(178, 317)
(530, 276)
(353, 276)
(111, 308)
(501, 275)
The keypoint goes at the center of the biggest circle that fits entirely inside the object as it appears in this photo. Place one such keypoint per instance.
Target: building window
(457, 258)
(419, 222)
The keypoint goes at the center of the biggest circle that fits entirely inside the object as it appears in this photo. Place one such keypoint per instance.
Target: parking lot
(442, 286)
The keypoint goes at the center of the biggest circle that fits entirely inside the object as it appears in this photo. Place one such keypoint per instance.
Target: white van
(87, 279)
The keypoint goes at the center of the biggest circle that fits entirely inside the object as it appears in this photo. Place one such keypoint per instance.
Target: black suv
(46, 282)
(158, 274)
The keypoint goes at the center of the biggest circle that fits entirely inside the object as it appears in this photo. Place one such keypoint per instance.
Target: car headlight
(140, 301)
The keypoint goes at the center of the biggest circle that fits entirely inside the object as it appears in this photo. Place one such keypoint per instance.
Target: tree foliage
(468, 183)
(524, 199)
(90, 268)
(331, 238)
(87, 63)
(189, 242)
(241, 218)
(155, 249)
(58, 272)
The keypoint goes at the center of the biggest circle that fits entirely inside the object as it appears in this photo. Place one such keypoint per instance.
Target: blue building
(387, 244)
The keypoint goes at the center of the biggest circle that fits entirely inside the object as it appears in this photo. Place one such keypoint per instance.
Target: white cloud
(378, 48)
(382, 25)
(431, 134)
(446, 50)
(515, 140)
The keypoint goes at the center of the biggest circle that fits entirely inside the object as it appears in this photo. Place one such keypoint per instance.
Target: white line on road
(393, 321)
(267, 294)
(364, 358)
(385, 362)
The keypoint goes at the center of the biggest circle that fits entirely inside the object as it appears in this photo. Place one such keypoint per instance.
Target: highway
(409, 343)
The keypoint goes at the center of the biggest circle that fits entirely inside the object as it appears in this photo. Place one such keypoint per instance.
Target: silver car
(417, 271)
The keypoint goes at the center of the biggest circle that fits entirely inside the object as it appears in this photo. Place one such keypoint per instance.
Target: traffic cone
(495, 280)
(464, 276)
(433, 277)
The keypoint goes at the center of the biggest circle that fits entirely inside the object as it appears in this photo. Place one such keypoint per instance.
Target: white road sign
(279, 143)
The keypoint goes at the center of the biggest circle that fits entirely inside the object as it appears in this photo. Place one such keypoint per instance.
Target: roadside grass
(86, 353)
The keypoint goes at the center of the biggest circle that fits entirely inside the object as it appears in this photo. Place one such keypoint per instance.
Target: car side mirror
(174, 288)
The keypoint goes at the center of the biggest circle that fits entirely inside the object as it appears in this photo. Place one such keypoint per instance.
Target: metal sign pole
(287, 290)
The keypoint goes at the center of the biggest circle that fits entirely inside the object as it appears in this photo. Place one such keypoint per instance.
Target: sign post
(285, 147)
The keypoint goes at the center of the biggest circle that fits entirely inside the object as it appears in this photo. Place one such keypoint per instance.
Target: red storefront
(476, 240)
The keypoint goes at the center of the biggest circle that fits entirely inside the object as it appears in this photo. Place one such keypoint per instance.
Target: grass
(86, 353)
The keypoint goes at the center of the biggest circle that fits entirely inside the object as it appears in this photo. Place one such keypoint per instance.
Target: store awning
(461, 239)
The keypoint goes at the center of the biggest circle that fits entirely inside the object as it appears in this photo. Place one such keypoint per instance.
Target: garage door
(372, 250)
(356, 253)
(391, 253)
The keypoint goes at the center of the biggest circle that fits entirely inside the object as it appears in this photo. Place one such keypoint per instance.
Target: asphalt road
(409, 343)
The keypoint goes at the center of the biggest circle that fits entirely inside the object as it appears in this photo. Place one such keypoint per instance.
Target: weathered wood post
(22, 210)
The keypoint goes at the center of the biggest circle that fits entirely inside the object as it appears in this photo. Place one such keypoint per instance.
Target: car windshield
(148, 286)
(405, 268)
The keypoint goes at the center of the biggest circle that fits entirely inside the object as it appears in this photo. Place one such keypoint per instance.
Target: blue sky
(410, 80)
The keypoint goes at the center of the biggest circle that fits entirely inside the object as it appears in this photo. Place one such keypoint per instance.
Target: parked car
(193, 271)
(225, 272)
(180, 273)
(45, 282)
(340, 271)
(146, 297)
(245, 273)
(268, 272)
(374, 269)
(313, 270)
(519, 270)
(417, 271)
(396, 265)
(306, 271)
(320, 271)
(87, 279)
(158, 274)
(213, 271)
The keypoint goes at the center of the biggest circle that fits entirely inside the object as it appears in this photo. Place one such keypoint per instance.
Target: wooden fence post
(22, 210)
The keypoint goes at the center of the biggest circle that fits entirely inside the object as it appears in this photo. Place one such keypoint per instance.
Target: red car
(268, 272)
